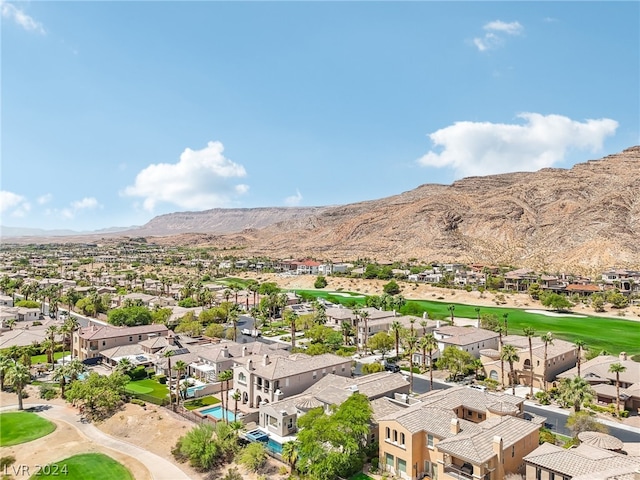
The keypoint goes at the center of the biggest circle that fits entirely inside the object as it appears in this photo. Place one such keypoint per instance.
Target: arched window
(493, 375)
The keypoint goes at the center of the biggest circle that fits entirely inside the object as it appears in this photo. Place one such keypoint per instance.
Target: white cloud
(202, 179)
(44, 199)
(511, 28)
(16, 14)
(75, 207)
(293, 200)
(495, 30)
(483, 148)
(14, 203)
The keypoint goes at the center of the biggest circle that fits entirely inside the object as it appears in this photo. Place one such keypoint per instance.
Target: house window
(315, 375)
(552, 476)
(402, 465)
(430, 441)
(387, 433)
(389, 460)
(139, 337)
(242, 378)
(513, 451)
(103, 343)
(131, 339)
(401, 438)
(343, 368)
(395, 436)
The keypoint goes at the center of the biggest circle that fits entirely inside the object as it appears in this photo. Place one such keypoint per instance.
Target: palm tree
(168, 354)
(356, 321)
(477, 366)
(506, 323)
(68, 328)
(290, 454)
(576, 392)
(50, 344)
(224, 377)
(424, 324)
(509, 354)
(396, 329)
(234, 315)
(580, 344)
(477, 309)
(10, 323)
(411, 348)
(431, 346)
(547, 338)
(364, 316)
(180, 367)
(290, 317)
(499, 329)
(346, 331)
(529, 332)
(124, 366)
(617, 368)
(236, 398)
(451, 310)
(5, 365)
(19, 376)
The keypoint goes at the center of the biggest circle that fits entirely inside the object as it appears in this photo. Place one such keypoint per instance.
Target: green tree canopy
(129, 316)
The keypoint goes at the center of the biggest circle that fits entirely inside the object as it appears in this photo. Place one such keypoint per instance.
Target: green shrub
(547, 435)
(490, 383)
(161, 379)
(138, 373)
(137, 401)
(48, 392)
(543, 398)
(6, 462)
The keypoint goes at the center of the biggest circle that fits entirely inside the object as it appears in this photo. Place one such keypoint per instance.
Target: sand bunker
(555, 314)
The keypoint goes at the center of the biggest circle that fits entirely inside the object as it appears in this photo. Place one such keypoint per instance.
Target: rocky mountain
(222, 220)
(579, 219)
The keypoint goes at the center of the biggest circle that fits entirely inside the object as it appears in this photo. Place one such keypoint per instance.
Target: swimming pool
(217, 412)
(274, 446)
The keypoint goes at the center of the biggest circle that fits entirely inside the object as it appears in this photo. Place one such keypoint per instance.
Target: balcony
(464, 472)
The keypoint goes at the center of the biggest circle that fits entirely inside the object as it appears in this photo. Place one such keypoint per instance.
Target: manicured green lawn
(21, 427)
(599, 333)
(336, 297)
(87, 466)
(200, 402)
(361, 476)
(43, 358)
(148, 387)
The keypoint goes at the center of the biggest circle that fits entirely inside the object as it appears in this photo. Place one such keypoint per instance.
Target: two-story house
(90, 341)
(267, 378)
(561, 356)
(459, 433)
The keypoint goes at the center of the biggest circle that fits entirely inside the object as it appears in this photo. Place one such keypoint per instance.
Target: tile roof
(597, 369)
(584, 460)
(99, 333)
(477, 447)
(280, 366)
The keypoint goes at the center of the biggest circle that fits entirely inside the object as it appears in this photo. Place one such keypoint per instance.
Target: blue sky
(114, 112)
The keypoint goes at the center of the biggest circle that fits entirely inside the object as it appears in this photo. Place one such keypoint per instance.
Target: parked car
(391, 367)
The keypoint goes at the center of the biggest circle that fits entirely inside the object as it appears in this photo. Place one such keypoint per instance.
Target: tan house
(561, 356)
(596, 372)
(459, 433)
(90, 341)
(269, 378)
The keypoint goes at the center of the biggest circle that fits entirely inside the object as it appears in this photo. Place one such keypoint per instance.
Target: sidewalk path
(159, 468)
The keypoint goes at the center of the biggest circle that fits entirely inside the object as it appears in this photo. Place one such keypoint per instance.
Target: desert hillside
(579, 219)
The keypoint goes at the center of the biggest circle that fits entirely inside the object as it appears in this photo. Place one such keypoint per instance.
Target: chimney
(623, 356)
(171, 340)
(394, 313)
(225, 352)
(477, 324)
(455, 426)
(496, 444)
(250, 365)
(244, 351)
(265, 360)
(424, 314)
(437, 323)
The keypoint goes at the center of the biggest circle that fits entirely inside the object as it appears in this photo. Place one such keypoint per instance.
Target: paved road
(159, 468)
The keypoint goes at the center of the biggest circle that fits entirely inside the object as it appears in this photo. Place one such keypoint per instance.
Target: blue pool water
(274, 446)
(216, 412)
